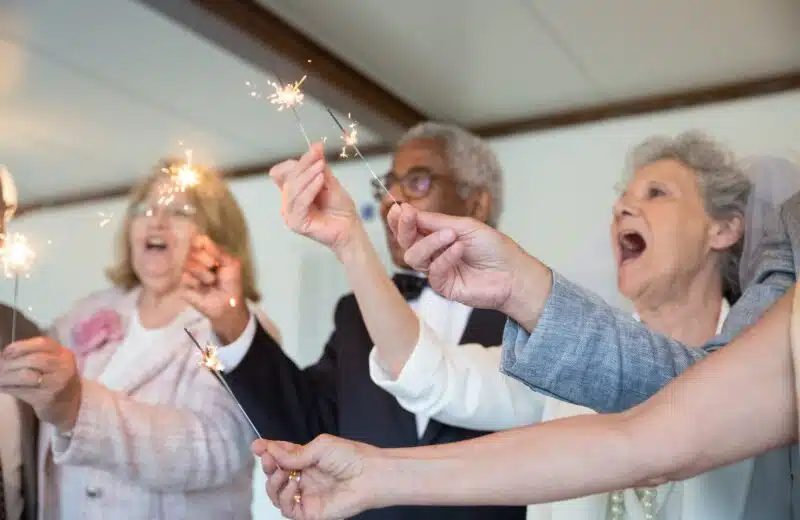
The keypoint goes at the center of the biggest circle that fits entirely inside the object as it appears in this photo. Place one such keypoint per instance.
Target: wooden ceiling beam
(258, 36)
(646, 105)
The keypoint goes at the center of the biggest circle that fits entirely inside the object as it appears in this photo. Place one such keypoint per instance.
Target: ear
(725, 233)
(479, 204)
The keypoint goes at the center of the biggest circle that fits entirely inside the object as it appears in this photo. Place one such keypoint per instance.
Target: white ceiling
(93, 92)
(478, 62)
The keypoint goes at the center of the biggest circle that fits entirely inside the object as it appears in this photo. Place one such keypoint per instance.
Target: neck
(690, 315)
(158, 309)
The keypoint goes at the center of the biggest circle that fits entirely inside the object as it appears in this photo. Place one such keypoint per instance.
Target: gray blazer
(585, 352)
(28, 422)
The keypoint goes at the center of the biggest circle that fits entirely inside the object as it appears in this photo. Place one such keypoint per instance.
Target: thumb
(430, 222)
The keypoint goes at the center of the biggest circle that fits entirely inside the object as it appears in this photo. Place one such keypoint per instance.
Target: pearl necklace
(646, 496)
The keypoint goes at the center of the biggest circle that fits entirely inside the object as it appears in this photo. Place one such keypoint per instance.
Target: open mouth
(631, 246)
(155, 244)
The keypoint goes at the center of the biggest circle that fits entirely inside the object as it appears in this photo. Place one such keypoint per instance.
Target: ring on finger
(297, 499)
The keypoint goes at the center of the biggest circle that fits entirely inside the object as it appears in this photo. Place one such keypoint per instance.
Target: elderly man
(20, 428)
(435, 168)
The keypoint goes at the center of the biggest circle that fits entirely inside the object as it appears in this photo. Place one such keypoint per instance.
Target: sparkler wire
(224, 384)
(360, 156)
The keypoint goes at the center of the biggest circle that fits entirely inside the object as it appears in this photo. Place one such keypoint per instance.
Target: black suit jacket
(28, 424)
(337, 396)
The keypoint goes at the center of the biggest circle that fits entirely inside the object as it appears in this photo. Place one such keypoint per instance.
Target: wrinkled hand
(313, 203)
(329, 478)
(43, 373)
(466, 260)
(212, 284)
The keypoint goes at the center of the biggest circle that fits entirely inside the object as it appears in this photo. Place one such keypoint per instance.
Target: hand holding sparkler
(212, 284)
(313, 203)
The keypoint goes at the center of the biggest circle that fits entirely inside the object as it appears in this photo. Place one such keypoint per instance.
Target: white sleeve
(232, 354)
(459, 385)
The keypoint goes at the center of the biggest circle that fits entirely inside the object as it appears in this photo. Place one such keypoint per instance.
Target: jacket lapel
(96, 362)
(484, 327)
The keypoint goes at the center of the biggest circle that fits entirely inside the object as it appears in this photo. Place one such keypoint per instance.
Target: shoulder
(82, 309)
(346, 308)
(103, 298)
(266, 322)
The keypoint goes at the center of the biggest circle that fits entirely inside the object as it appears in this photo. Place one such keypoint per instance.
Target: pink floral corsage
(105, 326)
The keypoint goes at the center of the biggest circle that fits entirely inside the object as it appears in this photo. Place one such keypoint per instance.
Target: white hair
(472, 160)
(9, 189)
(722, 180)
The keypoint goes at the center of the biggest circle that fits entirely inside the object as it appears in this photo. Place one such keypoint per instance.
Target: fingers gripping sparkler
(210, 361)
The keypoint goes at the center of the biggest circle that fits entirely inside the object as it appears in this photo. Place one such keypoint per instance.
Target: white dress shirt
(447, 319)
(11, 456)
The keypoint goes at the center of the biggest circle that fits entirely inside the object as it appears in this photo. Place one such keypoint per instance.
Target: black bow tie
(410, 286)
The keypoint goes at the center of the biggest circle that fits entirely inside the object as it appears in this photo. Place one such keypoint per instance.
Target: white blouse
(462, 386)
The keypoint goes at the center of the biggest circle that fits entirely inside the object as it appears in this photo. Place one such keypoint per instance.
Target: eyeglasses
(415, 184)
(172, 209)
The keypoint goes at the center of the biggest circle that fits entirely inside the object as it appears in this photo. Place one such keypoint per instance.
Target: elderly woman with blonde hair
(135, 426)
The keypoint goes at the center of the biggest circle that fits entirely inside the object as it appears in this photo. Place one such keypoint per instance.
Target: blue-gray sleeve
(585, 352)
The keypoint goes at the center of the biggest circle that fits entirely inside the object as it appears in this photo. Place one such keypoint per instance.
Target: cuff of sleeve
(418, 372)
(232, 354)
(86, 437)
(538, 358)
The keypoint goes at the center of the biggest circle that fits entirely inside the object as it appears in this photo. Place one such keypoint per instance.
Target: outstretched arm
(561, 339)
(737, 403)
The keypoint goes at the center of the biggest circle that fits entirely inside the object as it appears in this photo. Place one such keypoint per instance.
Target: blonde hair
(218, 215)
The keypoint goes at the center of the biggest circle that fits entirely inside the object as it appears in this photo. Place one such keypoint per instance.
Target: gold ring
(294, 475)
(297, 499)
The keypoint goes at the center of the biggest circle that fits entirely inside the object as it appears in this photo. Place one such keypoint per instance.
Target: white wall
(559, 190)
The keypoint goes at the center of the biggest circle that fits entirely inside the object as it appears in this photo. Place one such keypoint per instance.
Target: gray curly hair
(722, 179)
(472, 160)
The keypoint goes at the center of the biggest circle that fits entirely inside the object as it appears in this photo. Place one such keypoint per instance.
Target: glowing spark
(181, 178)
(354, 144)
(17, 256)
(287, 96)
(350, 138)
(104, 219)
(232, 302)
(210, 360)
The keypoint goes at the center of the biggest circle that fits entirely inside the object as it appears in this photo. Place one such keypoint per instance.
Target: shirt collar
(723, 315)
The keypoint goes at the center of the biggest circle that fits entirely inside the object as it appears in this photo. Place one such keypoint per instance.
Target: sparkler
(181, 178)
(17, 257)
(351, 139)
(286, 96)
(210, 361)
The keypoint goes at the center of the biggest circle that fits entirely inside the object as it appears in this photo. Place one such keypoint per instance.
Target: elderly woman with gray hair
(673, 269)
(677, 234)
